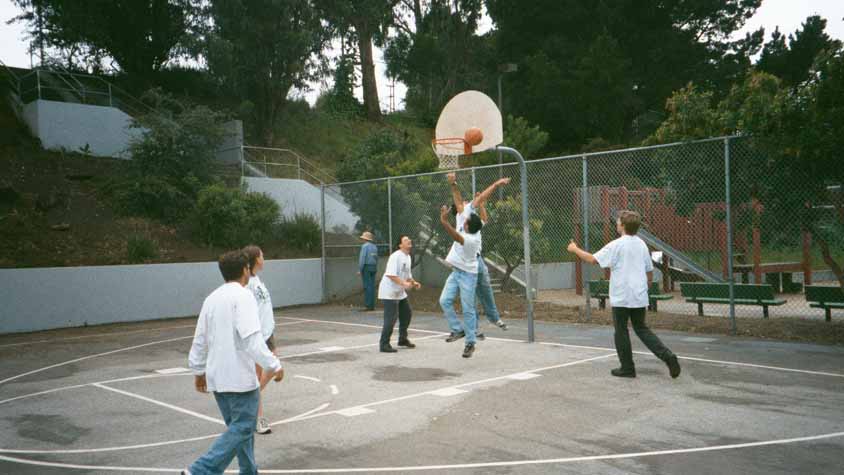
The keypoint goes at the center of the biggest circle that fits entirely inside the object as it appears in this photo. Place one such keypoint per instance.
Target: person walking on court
(392, 291)
(265, 315)
(462, 210)
(631, 270)
(226, 346)
(367, 268)
(463, 279)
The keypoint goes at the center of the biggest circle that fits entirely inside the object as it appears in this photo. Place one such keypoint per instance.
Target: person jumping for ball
(631, 270)
(463, 258)
(462, 210)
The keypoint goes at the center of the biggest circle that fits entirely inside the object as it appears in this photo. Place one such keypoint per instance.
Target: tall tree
(366, 20)
(261, 49)
(141, 36)
(792, 62)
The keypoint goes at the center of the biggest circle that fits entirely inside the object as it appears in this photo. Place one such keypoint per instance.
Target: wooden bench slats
(743, 294)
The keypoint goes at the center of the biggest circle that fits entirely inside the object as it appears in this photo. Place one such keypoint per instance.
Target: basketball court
(118, 398)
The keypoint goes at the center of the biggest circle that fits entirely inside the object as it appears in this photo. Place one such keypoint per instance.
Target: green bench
(600, 289)
(743, 294)
(826, 298)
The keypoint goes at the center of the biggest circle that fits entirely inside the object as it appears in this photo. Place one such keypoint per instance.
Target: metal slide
(679, 257)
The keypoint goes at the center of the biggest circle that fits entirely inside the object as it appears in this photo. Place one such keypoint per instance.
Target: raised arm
(448, 227)
(581, 254)
(455, 192)
(482, 210)
(481, 198)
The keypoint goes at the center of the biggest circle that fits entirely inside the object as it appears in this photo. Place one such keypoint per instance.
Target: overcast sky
(787, 14)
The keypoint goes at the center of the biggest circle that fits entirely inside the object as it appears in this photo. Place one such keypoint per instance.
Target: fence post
(389, 215)
(110, 101)
(38, 81)
(298, 167)
(322, 255)
(525, 237)
(474, 187)
(586, 221)
(729, 218)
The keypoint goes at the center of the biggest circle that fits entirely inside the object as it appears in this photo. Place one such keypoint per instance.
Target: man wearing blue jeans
(462, 210)
(367, 268)
(463, 280)
(226, 346)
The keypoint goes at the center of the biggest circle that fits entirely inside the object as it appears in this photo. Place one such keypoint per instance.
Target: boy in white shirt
(631, 270)
(463, 258)
(226, 345)
(392, 291)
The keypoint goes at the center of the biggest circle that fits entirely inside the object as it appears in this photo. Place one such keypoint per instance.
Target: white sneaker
(263, 426)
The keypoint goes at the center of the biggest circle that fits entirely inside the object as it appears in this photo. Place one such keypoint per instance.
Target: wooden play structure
(703, 230)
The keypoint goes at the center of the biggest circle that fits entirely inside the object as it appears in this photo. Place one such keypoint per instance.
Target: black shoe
(406, 343)
(468, 350)
(480, 336)
(623, 373)
(388, 349)
(500, 324)
(673, 366)
(455, 336)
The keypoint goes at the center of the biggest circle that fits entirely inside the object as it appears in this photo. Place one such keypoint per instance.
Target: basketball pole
(525, 235)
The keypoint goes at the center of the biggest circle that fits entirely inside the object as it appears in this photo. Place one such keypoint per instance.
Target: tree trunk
(367, 65)
(828, 259)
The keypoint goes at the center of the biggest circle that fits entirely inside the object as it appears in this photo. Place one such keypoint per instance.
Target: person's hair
(401, 238)
(630, 221)
(232, 264)
(475, 223)
(253, 252)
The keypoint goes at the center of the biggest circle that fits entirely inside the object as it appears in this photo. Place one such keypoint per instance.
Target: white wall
(299, 196)
(69, 126)
(44, 298)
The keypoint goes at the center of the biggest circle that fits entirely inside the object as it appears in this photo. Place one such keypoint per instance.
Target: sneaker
(623, 373)
(455, 336)
(185, 472)
(388, 349)
(406, 343)
(263, 426)
(468, 350)
(673, 366)
(500, 324)
(480, 336)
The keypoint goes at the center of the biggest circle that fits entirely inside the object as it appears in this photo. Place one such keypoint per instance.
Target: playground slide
(678, 257)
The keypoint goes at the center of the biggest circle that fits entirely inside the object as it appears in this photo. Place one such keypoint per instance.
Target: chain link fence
(696, 230)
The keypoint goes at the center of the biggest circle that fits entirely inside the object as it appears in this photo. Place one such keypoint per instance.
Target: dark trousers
(368, 276)
(395, 309)
(620, 315)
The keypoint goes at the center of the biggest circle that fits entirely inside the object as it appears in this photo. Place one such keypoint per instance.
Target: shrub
(230, 217)
(152, 197)
(302, 232)
(141, 249)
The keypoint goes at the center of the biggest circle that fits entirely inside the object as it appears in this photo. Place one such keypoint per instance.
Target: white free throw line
(159, 403)
(309, 378)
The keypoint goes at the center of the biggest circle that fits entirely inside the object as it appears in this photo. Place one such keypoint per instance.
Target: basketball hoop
(448, 150)
(469, 123)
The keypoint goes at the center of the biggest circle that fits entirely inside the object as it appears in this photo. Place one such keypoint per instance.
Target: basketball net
(449, 150)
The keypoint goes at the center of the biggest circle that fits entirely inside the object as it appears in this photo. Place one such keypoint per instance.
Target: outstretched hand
(502, 181)
(572, 247)
(444, 212)
(452, 178)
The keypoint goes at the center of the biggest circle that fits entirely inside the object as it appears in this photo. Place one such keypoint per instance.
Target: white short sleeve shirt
(629, 260)
(465, 256)
(398, 265)
(265, 305)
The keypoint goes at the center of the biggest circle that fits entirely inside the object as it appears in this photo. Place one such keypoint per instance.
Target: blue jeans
(466, 284)
(240, 412)
(368, 276)
(485, 295)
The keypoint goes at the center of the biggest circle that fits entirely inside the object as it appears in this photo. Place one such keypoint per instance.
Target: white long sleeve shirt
(228, 341)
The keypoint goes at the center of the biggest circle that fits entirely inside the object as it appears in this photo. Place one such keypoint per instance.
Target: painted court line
(159, 403)
(364, 325)
(448, 392)
(308, 378)
(334, 390)
(172, 370)
(524, 376)
(304, 414)
(332, 348)
(354, 411)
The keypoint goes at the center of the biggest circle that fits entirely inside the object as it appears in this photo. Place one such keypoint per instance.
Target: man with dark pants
(367, 268)
(392, 291)
(631, 270)
(226, 346)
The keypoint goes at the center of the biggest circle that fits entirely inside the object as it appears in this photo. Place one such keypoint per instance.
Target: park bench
(826, 298)
(600, 289)
(761, 295)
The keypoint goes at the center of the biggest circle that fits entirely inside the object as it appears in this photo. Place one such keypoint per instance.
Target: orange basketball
(473, 136)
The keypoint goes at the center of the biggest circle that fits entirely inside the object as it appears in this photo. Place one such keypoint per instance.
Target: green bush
(152, 197)
(301, 232)
(230, 217)
(141, 249)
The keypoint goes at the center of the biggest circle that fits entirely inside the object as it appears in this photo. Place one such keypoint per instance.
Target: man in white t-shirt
(631, 270)
(463, 279)
(392, 291)
(226, 346)
(462, 210)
